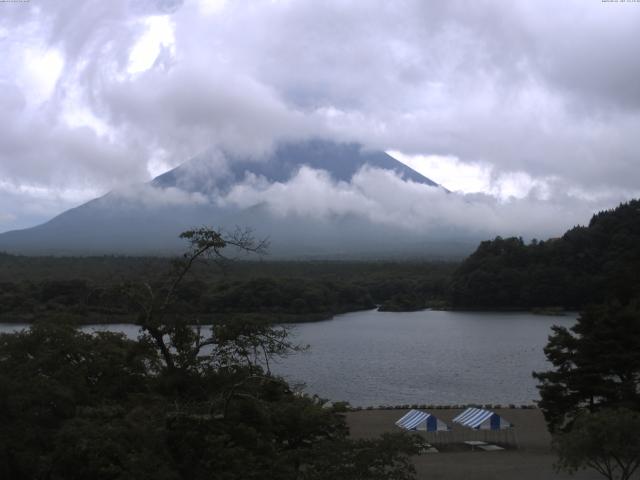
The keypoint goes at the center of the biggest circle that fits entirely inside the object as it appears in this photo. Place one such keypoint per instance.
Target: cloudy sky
(533, 107)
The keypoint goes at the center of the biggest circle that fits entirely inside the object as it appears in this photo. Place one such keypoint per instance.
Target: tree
(596, 263)
(596, 364)
(52, 376)
(606, 441)
(384, 459)
(181, 402)
(178, 343)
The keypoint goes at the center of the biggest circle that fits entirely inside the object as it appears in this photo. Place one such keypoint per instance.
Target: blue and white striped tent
(419, 420)
(481, 419)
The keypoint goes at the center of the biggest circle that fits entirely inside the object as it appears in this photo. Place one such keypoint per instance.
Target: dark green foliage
(178, 403)
(288, 296)
(113, 443)
(49, 375)
(590, 396)
(79, 406)
(596, 364)
(586, 265)
(278, 291)
(606, 441)
(363, 459)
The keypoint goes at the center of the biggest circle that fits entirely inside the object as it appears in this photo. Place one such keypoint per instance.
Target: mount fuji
(146, 219)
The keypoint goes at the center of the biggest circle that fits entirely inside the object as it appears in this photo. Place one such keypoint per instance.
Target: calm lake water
(378, 358)
(381, 358)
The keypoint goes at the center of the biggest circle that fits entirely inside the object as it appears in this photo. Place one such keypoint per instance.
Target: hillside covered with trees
(586, 265)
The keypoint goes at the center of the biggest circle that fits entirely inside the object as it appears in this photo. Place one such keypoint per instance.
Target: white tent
(480, 419)
(419, 420)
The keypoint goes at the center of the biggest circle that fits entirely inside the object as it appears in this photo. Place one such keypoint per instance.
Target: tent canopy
(419, 420)
(481, 419)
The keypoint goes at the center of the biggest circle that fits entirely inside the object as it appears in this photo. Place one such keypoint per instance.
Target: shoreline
(281, 318)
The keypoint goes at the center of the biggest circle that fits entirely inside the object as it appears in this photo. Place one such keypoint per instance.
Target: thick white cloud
(386, 199)
(540, 96)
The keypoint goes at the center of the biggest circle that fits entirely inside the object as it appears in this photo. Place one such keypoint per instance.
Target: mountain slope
(147, 219)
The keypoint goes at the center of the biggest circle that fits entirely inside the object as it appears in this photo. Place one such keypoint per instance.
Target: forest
(588, 264)
(91, 289)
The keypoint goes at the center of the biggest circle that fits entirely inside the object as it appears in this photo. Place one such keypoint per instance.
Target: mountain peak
(342, 160)
(147, 218)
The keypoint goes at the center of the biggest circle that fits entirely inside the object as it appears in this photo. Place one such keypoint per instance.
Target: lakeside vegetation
(590, 264)
(37, 287)
(177, 403)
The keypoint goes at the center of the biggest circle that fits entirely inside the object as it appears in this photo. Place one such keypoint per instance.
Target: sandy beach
(532, 459)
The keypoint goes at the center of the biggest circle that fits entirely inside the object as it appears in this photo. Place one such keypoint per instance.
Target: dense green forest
(586, 265)
(91, 289)
(175, 403)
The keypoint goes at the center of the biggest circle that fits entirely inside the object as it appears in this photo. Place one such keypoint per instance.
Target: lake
(431, 357)
(428, 357)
